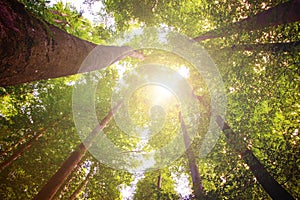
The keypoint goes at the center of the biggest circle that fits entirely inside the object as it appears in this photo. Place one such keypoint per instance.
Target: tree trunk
(273, 47)
(270, 185)
(23, 148)
(283, 13)
(159, 180)
(57, 180)
(32, 49)
(197, 182)
(65, 187)
(82, 185)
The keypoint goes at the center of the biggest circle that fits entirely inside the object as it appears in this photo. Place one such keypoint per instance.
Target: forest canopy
(150, 99)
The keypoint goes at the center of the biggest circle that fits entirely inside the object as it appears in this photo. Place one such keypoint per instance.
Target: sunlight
(161, 95)
(184, 72)
(182, 184)
(88, 12)
(128, 191)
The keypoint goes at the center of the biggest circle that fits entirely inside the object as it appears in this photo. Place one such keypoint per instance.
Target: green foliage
(66, 17)
(263, 108)
(147, 188)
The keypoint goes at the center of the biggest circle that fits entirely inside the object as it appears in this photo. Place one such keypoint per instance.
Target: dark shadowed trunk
(270, 185)
(281, 14)
(197, 182)
(31, 49)
(23, 148)
(57, 180)
(159, 180)
(272, 47)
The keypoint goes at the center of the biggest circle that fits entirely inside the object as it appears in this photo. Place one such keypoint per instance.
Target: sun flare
(161, 95)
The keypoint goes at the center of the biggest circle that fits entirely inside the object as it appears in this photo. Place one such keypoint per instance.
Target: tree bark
(273, 47)
(270, 185)
(23, 148)
(82, 185)
(32, 49)
(283, 13)
(64, 188)
(57, 180)
(197, 182)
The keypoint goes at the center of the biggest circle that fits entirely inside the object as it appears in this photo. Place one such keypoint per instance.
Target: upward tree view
(149, 100)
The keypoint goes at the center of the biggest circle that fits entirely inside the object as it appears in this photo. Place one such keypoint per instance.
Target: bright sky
(87, 12)
(182, 184)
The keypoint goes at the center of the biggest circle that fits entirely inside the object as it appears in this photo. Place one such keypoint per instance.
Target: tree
(43, 50)
(83, 183)
(197, 182)
(272, 47)
(272, 187)
(24, 147)
(260, 72)
(159, 181)
(147, 188)
(65, 189)
(56, 181)
(281, 14)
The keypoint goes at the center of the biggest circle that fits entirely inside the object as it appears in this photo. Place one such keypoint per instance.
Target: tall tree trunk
(31, 49)
(65, 187)
(273, 47)
(57, 180)
(82, 185)
(281, 14)
(197, 182)
(270, 185)
(23, 148)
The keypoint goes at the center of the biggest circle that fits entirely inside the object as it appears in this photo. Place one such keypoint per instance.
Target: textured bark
(197, 182)
(23, 148)
(283, 13)
(272, 47)
(31, 49)
(270, 185)
(57, 180)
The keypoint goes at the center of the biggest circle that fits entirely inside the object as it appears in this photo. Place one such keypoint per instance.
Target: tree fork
(57, 180)
(270, 185)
